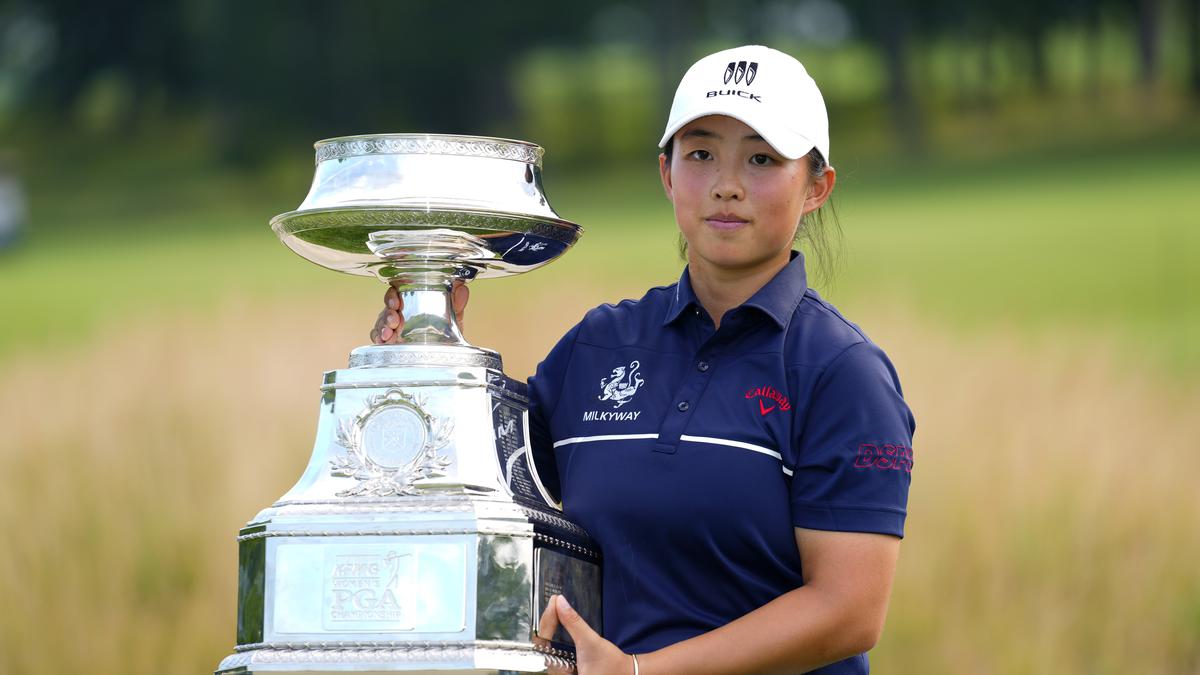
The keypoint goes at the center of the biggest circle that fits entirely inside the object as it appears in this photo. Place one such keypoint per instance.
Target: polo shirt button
(683, 406)
(702, 366)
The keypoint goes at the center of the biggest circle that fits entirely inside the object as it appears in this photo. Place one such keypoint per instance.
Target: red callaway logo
(769, 399)
(886, 456)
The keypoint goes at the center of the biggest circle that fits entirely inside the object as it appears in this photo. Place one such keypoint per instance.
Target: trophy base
(446, 584)
(440, 658)
(420, 538)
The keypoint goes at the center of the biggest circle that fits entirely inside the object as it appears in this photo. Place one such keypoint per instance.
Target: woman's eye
(700, 154)
(761, 160)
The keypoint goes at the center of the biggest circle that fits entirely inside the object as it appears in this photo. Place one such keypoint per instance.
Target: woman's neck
(720, 290)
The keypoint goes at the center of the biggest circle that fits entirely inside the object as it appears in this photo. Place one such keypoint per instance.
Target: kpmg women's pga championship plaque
(420, 538)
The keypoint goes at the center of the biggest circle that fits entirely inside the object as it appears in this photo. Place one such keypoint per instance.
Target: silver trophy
(420, 538)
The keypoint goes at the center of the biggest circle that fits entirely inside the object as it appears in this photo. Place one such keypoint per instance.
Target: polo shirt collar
(683, 299)
(777, 299)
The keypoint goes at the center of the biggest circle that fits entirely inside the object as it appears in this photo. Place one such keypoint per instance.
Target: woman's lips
(724, 221)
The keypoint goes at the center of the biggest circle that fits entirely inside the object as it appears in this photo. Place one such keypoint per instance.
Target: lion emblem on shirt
(621, 385)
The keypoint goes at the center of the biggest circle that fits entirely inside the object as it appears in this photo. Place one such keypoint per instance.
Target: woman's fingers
(459, 295)
(547, 626)
(581, 633)
(377, 329)
(387, 324)
(593, 654)
(389, 332)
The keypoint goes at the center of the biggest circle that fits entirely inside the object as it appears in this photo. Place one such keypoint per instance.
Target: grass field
(1051, 525)
(161, 354)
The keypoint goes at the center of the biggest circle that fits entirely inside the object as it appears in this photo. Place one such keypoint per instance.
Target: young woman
(748, 488)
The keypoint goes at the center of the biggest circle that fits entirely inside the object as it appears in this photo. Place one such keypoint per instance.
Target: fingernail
(562, 602)
(393, 303)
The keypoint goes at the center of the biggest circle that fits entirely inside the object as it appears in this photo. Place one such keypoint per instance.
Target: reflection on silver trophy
(420, 537)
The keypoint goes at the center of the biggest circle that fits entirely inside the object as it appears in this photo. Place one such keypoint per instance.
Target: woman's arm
(837, 613)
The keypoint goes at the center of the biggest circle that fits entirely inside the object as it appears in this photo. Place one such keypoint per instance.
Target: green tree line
(312, 67)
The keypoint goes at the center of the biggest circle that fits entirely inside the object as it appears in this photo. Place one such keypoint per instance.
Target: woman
(748, 486)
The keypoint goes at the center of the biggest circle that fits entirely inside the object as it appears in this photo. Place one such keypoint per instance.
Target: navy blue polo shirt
(691, 454)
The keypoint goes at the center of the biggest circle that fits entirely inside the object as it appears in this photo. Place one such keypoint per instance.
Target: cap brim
(787, 143)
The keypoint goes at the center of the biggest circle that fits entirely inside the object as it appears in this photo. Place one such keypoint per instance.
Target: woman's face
(738, 202)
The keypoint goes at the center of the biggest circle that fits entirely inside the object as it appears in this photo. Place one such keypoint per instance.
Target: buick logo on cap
(737, 70)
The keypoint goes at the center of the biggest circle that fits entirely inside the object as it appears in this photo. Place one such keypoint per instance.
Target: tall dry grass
(1054, 519)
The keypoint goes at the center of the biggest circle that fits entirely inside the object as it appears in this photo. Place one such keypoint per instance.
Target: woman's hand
(593, 654)
(391, 319)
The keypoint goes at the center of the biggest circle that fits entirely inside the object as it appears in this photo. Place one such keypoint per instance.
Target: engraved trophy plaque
(420, 537)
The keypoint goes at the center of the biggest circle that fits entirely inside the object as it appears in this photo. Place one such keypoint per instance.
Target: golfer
(738, 449)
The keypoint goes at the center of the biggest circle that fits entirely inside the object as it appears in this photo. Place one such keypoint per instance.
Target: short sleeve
(545, 388)
(853, 455)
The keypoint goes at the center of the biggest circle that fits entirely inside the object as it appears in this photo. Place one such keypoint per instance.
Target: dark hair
(820, 228)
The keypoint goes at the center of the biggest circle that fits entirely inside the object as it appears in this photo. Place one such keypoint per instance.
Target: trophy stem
(428, 315)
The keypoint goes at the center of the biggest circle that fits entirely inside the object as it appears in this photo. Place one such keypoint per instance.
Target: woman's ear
(664, 171)
(819, 189)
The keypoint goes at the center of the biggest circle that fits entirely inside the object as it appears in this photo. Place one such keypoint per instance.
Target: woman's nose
(727, 186)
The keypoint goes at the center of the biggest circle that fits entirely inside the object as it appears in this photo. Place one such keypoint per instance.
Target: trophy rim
(399, 215)
(359, 145)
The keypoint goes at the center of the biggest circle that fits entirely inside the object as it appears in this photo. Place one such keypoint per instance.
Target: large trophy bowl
(419, 210)
(420, 538)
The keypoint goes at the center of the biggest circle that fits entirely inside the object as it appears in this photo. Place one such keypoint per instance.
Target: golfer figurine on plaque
(420, 537)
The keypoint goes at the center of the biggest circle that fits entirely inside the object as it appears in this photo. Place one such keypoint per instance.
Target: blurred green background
(1018, 194)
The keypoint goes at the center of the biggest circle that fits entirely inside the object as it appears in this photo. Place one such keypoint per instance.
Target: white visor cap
(765, 89)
